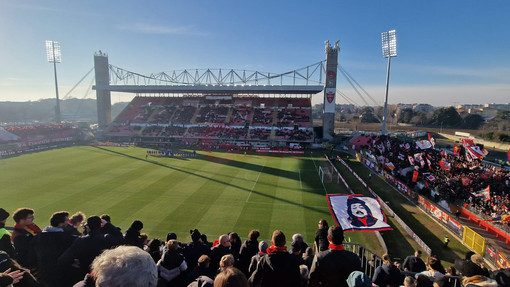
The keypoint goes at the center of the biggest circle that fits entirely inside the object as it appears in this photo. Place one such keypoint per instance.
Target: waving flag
(508, 154)
(445, 165)
(423, 144)
(474, 152)
(467, 142)
(432, 140)
(484, 193)
(456, 150)
(357, 213)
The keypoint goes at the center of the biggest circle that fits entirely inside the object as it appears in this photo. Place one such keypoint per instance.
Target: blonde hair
(172, 245)
(386, 259)
(226, 261)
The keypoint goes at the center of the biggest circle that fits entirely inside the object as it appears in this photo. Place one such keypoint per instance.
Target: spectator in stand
(231, 277)
(475, 266)
(194, 249)
(249, 248)
(359, 279)
(223, 248)
(387, 274)
(278, 267)
(414, 263)
(133, 236)
(49, 245)
(225, 262)
(332, 267)
(299, 238)
(433, 267)
(154, 249)
(75, 221)
(208, 244)
(202, 269)
(24, 231)
(235, 244)
(122, 266)
(256, 258)
(321, 236)
(5, 236)
(172, 265)
(78, 257)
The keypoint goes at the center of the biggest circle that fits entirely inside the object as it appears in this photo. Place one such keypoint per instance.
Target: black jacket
(414, 264)
(332, 267)
(48, 246)
(192, 251)
(276, 269)
(248, 249)
(321, 239)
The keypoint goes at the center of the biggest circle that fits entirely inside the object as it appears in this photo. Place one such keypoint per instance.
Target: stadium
(190, 155)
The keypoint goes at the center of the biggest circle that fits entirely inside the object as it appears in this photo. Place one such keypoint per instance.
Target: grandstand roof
(259, 89)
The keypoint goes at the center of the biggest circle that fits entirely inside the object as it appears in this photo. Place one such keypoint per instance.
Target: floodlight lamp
(389, 43)
(53, 52)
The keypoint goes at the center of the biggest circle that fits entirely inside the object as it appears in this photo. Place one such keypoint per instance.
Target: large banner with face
(329, 100)
(357, 213)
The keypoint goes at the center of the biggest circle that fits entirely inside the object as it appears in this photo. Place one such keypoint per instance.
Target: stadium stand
(227, 119)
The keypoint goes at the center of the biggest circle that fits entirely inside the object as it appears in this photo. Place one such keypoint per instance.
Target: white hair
(125, 266)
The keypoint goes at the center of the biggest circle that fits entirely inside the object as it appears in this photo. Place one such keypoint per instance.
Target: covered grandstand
(228, 119)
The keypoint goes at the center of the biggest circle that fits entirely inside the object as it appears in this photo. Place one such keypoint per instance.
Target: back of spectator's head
(231, 277)
(171, 236)
(125, 266)
(278, 238)
(254, 234)
(336, 234)
(386, 259)
(77, 218)
(58, 218)
(234, 237)
(263, 246)
(297, 237)
(136, 225)
(3, 214)
(409, 282)
(204, 261)
(106, 218)
(303, 271)
(309, 252)
(434, 263)
(417, 253)
(22, 213)
(224, 240)
(203, 237)
(195, 235)
(202, 281)
(359, 279)
(227, 261)
(172, 245)
(477, 259)
(94, 223)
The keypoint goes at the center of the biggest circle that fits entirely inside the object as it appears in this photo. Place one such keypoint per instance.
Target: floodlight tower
(389, 49)
(53, 55)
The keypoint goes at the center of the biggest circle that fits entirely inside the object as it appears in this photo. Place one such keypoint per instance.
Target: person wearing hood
(132, 236)
(49, 245)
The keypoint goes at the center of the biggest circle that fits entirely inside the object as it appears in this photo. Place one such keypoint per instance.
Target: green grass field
(214, 192)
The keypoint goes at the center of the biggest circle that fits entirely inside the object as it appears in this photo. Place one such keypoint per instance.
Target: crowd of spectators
(74, 251)
(443, 174)
(240, 119)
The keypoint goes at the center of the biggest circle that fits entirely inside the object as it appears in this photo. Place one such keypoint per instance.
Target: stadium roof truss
(306, 80)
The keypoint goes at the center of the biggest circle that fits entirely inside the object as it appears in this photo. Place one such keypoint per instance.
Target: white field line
(285, 204)
(255, 183)
(325, 191)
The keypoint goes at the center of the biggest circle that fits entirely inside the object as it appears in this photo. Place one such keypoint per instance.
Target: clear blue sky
(449, 52)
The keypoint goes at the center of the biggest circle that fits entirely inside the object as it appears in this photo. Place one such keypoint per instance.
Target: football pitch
(215, 192)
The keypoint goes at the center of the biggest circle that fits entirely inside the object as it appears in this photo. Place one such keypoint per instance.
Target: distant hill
(44, 110)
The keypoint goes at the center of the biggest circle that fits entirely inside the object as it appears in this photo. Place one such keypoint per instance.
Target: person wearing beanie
(5, 235)
(333, 266)
(256, 258)
(132, 236)
(278, 267)
(194, 249)
(24, 231)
